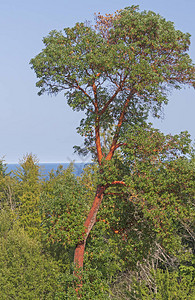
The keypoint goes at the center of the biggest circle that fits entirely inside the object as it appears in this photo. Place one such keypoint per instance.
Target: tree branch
(97, 126)
(113, 96)
(118, 182)
(81, 89)
(120, 122)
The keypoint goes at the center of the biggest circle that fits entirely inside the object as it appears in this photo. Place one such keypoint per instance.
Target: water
(47, 167)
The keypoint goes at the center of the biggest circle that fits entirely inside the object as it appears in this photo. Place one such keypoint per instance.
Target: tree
(6, 188)
(27, 193)
(117, 71)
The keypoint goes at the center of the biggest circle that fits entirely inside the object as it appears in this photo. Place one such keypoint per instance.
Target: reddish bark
(79, 254)
(90, 221)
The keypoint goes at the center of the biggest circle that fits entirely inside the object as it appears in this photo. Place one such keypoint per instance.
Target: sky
(45, 125)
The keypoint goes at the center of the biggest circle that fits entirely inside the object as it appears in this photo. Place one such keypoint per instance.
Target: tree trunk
(90, 221)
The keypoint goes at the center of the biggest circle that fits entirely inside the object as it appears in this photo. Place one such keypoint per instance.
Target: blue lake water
(47, 167)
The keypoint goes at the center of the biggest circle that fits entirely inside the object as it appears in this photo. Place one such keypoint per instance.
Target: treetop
(117, 70)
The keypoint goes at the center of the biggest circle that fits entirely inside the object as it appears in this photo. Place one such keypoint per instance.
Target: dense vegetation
(124, 228)
(142, 245)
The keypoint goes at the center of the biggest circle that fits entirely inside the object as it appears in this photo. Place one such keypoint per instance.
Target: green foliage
(89, 180)
(2, 168)
(2, 183)
(160, 180)
(118, 71)
(125, 234)
(7, 184)
(94, 286)
(25, 272)
(120, 238)
(154, 207)
(158, 284)
(128, 56)
(168, 285)
(63, 208)
(27, 193)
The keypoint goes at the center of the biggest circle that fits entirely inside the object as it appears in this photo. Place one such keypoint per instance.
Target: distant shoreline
(46, 168)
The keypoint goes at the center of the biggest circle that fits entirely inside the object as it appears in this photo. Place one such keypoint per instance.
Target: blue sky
(45, 125)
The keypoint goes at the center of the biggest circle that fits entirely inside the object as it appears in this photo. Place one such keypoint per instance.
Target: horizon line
(61, 162)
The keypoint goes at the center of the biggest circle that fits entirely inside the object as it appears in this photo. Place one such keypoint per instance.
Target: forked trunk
(90, 221)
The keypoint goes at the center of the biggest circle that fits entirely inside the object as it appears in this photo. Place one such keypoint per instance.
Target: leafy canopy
(130, 55)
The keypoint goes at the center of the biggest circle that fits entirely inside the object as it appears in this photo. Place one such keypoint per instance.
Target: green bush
(25, 272)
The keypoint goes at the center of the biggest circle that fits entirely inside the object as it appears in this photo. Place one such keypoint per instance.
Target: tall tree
(27, 193)
(117, 71)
